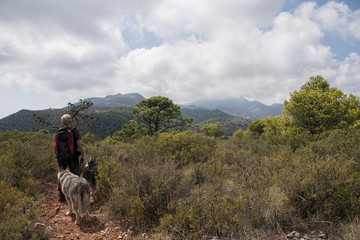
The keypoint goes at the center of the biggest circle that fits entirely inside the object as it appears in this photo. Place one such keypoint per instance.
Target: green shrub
(29, 155)
(142, 191)
(26, 159)
(131, 131)
(210, 211)
(319, 186)
(110, 158)
(88, 138)
(239, 134)
(146, 182)
(185, 147)
(213, 130)
(17, 215)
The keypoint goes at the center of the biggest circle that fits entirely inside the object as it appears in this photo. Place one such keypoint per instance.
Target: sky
(56, 52)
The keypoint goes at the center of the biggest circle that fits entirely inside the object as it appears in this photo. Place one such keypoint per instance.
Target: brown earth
(61, 226)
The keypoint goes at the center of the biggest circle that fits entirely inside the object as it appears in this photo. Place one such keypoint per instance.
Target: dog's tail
(84, 199)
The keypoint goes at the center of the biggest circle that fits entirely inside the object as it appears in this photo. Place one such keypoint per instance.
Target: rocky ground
(313, 235)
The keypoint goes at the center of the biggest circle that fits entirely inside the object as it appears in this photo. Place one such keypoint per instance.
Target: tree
(257, 126)
(79, 113)
(213, 130)
(159, 114)
(88, 138)
(318, 108)
(130, 131)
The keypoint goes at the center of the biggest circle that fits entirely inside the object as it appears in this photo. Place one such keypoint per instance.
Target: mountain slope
(109, 121)
(204, 116)
(239, 107)
(123, 100)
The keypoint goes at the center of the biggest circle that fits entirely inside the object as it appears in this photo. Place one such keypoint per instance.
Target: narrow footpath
(63, 227)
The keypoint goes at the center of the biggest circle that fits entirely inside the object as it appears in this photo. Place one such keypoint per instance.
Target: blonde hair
(66, 119)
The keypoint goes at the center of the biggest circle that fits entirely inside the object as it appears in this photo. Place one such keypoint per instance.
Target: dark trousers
(73, 166)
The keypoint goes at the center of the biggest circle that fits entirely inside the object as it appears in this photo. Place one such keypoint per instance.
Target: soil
(61, 226)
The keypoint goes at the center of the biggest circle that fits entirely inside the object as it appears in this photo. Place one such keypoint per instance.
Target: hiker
(68, 148)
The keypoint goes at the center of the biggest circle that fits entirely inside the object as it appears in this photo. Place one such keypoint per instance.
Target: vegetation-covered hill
(111, 119)
(202, 116)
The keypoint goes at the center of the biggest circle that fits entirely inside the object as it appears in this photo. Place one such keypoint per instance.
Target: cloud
(234, 61)
(338, 18)
(191, 49)
(174, 19)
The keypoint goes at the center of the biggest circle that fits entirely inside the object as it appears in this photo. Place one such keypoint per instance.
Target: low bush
(26, 159)
(18, 214)
(210, 212)
(27, 155)
(185, 147)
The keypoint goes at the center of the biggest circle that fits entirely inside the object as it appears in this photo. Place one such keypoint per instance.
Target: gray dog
(77, 194)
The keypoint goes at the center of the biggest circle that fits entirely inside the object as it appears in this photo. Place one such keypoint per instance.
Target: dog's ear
(92, 160)
(59, 175)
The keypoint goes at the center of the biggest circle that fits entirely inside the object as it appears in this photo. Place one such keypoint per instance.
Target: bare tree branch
(79, 113)
(44, 121)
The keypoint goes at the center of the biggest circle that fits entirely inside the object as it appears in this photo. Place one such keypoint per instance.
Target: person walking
(68, 149)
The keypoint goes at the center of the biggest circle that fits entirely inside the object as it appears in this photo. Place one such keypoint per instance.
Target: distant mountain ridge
(239, 107)
(122, 100)
(115, 110)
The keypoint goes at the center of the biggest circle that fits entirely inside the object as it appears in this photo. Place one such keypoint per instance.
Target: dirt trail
(63, 226)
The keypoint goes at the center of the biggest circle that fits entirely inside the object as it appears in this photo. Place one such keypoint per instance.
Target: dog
(90, 173)
(77, 194)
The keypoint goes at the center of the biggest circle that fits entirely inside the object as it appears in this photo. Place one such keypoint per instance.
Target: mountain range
(115, 110)
(240, 107)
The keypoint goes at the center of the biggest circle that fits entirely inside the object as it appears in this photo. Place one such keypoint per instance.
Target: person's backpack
(64, 144)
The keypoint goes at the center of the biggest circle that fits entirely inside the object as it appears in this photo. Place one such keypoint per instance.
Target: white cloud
(348, 75)
(174, 19)
(338, 18)
(209, 49)
(238, 61)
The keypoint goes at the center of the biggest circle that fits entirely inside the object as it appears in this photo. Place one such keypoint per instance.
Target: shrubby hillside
(281, 174)
(201, 116)
(111, 119)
